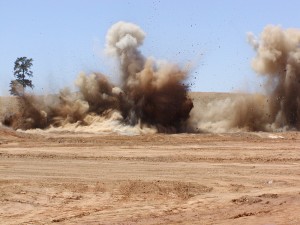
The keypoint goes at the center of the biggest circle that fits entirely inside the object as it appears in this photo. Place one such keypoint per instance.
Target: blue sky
(66, 37)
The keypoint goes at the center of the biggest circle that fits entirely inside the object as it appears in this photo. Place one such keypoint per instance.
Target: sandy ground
(237, 178)
(80, 178)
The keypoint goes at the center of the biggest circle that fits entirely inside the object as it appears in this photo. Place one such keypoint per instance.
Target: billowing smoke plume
(150, 94)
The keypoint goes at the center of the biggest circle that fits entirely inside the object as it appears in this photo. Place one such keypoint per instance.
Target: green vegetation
(22, 72)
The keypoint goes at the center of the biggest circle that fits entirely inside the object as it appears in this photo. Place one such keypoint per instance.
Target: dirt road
(237, 178)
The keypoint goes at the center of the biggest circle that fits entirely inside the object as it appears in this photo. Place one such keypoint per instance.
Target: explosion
(151, 94)
(278, 61)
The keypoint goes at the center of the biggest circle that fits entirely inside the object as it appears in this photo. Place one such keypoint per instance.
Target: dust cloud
(277, 60)
(152, 97)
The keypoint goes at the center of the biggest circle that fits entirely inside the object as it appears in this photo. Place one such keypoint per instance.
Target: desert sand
(204, 178)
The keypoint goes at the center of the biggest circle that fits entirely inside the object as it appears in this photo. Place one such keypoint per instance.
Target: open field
(81, 178)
